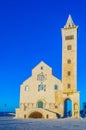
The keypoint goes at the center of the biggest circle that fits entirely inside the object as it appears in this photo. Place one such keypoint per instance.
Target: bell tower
(69, 56)
(69, 65)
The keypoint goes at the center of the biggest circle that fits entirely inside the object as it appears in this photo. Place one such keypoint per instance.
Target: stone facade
(43, 95)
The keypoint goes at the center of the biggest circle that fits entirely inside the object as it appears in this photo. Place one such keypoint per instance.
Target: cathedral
(45, 96)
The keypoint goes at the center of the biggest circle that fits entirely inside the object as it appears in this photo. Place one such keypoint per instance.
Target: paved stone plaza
(9, 123)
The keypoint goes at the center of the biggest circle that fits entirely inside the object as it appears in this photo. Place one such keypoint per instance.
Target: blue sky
(30, 32)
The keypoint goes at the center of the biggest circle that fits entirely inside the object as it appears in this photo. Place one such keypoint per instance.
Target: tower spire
(69, 23)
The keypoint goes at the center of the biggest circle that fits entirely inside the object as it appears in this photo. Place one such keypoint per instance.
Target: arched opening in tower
(67, 108)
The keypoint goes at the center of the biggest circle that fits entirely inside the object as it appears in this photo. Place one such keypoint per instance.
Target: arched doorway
(35, 115)
(24, 116)
(40, 104)
(67, 108)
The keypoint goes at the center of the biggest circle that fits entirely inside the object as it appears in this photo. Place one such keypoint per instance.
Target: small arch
(35, 115)
(47, 116)
(67, 108)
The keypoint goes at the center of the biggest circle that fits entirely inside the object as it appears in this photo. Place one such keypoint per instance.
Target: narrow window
(55, 87)
(68, 85)
(41, 87)
(47, 116)
(69, 73)
(45, 88)
(69, 47)
(26, 88)
(69, 61)
(41, 67)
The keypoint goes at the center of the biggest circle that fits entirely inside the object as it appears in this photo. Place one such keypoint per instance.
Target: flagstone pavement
(9, 123)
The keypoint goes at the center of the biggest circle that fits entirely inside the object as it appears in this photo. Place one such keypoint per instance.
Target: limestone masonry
(43, 95)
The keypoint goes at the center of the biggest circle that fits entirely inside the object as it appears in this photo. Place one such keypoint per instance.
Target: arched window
(68, 85)
(41, 67)
(69, 47)
(41, 87)
(40, 104)
(69, 61)
(55, 87)
(26, 88)
(69, 73)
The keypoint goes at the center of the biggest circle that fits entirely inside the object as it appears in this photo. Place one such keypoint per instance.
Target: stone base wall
(46, 114)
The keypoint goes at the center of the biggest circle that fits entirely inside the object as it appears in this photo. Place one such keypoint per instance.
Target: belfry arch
(68, 107)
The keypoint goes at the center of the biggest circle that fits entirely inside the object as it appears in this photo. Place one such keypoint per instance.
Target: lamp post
(5, 109)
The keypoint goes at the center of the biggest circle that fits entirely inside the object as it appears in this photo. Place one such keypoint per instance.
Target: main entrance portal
(40, 104)
(35, 115)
